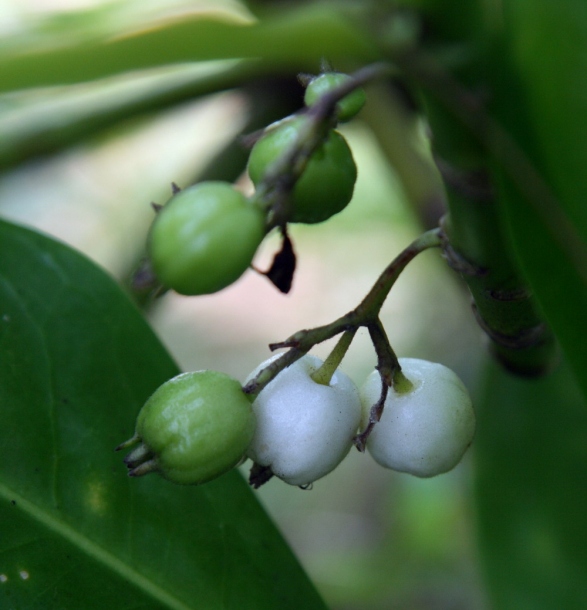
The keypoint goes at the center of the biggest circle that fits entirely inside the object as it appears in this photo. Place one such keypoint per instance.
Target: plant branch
(469, 143)
(374, 300)
(495, 139)
(365, 314)
(324, 374)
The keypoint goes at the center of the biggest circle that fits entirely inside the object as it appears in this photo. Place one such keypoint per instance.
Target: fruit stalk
(365, 314)
(324, 374)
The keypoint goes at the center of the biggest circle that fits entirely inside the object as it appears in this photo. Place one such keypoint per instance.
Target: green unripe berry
(327, 183)
(194, 428)
(348, 106)
(204, 238)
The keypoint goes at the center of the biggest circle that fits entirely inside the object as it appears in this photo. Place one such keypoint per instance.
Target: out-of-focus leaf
(531, 460)
(77, 361)
(296, 38)
(37, 123)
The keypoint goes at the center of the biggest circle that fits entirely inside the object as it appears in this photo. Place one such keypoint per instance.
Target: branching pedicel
(366, 314)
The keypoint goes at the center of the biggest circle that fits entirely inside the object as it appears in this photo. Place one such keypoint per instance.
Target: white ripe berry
(425, 431)
(304, 429)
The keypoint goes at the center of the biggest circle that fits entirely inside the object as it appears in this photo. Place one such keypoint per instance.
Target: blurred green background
(508, 522)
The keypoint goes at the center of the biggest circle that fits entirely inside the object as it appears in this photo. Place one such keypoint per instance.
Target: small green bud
(348, 106)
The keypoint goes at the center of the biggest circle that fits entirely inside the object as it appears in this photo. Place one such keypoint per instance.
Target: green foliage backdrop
(504, 85)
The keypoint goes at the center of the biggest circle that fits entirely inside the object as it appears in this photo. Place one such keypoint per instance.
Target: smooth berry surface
(204, 238)
(425, 431)
(348, 107)
(328, 181)
(304, 429)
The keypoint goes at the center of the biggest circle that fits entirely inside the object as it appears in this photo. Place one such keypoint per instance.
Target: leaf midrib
(92, 549)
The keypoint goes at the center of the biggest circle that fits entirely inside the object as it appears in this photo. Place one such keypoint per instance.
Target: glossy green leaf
(531, 460)
(297, 38)
(77, 361)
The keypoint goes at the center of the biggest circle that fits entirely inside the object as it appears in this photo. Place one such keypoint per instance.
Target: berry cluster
(199, 425)
(204, 238)
(296, 417)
